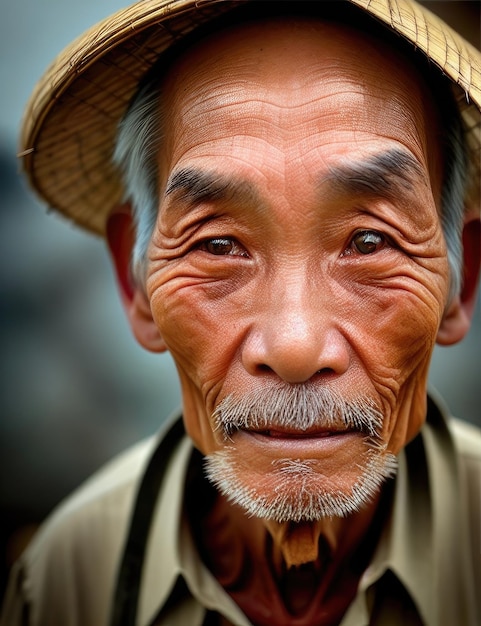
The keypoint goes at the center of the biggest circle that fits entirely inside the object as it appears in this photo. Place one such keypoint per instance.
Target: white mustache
(300, 407)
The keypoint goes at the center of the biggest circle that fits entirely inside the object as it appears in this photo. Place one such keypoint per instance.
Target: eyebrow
(193, 186)
(383, 174)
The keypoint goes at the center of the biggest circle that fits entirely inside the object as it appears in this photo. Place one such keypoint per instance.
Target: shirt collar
(171, 552)
(162, 563)
(420, 544)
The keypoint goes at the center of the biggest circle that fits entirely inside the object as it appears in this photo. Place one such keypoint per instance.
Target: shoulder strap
(127, 590)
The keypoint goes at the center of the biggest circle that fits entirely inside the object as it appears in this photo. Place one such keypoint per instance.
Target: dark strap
(127, 590)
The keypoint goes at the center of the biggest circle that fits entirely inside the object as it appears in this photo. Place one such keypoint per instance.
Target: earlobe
(454, 325)
(142, 323)
(120, 235)
(457, 319)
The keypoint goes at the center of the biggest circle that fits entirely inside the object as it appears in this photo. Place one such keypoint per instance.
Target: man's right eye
(222, 246)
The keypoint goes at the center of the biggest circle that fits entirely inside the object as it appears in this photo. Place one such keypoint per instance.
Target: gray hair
(137, 149)
(136, 154)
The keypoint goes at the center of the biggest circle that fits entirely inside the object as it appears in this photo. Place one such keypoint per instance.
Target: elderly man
(298, 225)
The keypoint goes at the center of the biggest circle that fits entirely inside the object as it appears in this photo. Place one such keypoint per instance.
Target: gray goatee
(297, 494)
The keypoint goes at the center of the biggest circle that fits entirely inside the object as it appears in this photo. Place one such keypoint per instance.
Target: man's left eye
(367, 242)
(223, 246)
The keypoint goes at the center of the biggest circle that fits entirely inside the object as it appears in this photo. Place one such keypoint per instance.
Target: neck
(288, 571)
(296, 544)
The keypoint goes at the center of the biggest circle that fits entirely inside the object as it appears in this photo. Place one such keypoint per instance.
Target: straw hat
(71, 119)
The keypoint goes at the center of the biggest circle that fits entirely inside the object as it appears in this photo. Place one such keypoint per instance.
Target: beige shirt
(426, 568)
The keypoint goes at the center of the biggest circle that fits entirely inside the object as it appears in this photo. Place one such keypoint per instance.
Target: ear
(120, 233)
(457, 318)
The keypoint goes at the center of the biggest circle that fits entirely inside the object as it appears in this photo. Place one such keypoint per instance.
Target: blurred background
(75, 387)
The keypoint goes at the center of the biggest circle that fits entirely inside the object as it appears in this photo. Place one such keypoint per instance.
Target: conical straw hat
(71, 119)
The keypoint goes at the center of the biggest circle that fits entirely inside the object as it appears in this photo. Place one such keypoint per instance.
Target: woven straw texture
(71, 119)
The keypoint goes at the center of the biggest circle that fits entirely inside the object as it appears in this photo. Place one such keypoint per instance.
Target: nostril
(293, 356)
(325, 374)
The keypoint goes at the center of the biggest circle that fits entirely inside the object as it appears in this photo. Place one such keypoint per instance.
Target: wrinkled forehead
(301, 56)
(251, 51)
(312, 38)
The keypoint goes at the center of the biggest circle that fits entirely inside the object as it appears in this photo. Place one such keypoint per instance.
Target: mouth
(291, 439)
(292, 434)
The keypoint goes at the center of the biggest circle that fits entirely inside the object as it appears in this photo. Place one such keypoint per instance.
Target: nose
(295, 336)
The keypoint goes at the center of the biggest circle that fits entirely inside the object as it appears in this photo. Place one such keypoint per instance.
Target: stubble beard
(298, 492)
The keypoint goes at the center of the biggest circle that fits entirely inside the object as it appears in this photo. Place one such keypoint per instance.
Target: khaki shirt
(426, 568)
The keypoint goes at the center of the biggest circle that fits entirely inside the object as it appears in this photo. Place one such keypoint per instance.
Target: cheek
(197, 333)
(395, 347)
(203, 339)
(405, 334)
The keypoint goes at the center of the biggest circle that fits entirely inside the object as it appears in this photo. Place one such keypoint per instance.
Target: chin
(298, 490)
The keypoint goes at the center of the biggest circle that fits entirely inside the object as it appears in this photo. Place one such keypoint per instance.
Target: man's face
(298, 258)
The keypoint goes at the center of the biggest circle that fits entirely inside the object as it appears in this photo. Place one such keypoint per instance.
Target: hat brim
(71, 120)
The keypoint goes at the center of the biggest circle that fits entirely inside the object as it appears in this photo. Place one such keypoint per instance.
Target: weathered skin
(286, 295)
